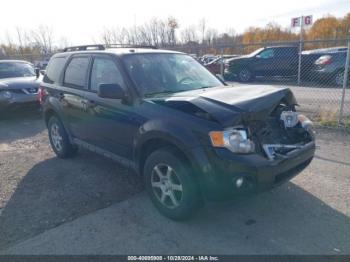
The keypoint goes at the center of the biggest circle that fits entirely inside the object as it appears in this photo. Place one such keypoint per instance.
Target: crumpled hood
(230, 105)
(20, 82)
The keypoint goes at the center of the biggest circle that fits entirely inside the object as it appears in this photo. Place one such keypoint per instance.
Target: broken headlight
(235, 140)
(291, 119)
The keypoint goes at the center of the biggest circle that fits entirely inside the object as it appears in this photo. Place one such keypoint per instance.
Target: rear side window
(76, 72)
(54, 70)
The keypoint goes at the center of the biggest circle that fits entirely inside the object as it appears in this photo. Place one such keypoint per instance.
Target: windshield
(16, 69)
(168, 73)
(254, 53)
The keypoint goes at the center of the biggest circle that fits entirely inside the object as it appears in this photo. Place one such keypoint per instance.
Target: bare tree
(172, 26)
(202, 28)
(189, 34)
(43, 38)
(21, 40)
(211, 35)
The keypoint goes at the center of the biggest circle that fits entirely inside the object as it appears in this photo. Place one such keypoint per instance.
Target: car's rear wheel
(59, 139)
(170, 184)
(245, 75)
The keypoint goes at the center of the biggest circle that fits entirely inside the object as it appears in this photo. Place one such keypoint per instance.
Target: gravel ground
(39, 192)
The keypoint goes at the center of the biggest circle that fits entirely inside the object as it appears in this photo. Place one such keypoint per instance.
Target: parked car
(330, 68)
(188, 135)
(215, 65)
(207, 59)
(309, 58)
(19, 83)
(266, 62)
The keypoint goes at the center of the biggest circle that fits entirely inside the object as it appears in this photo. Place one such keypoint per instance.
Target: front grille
(271, 132)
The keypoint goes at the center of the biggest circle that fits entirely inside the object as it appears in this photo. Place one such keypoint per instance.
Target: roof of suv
(114, 50)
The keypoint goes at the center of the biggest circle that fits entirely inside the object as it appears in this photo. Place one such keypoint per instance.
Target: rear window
(76, 72)
(54, 70)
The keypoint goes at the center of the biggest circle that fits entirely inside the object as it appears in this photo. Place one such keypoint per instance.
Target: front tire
(59, 139)
(170, 184)
(339, 78)
(245, 75)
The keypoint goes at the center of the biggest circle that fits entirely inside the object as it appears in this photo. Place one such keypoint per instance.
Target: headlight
(235, 140)
(6, 94)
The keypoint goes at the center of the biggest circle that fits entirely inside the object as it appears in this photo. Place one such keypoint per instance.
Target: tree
(42, 38)
(202, 28)
(325, 28)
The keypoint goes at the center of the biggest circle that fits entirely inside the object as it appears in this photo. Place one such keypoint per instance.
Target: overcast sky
(81, 21)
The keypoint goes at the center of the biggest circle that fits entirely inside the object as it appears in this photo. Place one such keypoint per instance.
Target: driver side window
(269, 53)
(105, 71)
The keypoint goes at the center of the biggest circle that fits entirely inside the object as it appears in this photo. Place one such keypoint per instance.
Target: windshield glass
(167, 73)
(16, 69)
(254, 53)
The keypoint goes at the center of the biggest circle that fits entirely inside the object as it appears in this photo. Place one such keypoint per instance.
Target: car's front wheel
(59, 139)
(339, 78)
(171, 185)
(245, 75)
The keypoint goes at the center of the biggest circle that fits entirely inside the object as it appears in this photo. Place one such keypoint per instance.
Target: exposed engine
(282, 132)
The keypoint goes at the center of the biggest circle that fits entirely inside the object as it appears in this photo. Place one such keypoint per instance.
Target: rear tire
(170, 184)
(59, 139)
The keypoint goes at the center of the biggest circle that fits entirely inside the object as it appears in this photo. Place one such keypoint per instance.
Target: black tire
(188, 199)
(66, 148)
(245, 75)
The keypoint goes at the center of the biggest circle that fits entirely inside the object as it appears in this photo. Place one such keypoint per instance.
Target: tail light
(324, 60)
(41, 95)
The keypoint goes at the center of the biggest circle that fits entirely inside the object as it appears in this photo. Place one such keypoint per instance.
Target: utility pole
(300, 47)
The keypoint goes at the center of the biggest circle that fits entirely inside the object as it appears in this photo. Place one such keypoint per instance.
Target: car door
(286, 59)
(111, 123)
(264, 63)
(72, 94)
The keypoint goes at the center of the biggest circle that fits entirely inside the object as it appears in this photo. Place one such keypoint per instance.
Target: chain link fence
(316, 71)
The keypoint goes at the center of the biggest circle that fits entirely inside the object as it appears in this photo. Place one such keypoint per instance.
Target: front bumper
(218, 177)
(18, 100)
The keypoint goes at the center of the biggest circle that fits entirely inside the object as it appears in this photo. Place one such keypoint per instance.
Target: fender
(169, 132)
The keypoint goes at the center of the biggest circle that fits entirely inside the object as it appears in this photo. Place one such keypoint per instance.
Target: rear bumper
(218, 179)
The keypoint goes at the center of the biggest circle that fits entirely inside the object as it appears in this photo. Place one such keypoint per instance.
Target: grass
(329, 118)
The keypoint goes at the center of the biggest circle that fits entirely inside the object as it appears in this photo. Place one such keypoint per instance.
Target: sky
(82, 21)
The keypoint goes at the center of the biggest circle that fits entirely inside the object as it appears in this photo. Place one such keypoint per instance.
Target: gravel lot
(38, 192)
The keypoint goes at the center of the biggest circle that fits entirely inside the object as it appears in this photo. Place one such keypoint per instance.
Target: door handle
(88, 104)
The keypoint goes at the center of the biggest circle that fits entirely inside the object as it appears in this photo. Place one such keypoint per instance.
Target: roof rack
(103, 47)
(84, 48)
(130, 46)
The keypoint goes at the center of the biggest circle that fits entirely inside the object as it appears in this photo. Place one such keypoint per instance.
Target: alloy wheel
(56, 137)
(166, 186)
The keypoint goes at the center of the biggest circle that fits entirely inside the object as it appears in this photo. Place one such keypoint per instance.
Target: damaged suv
(190, 136)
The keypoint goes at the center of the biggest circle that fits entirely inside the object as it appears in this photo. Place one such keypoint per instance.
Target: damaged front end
(282, 133)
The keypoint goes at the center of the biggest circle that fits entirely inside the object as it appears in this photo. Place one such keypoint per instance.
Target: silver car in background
(19, 83)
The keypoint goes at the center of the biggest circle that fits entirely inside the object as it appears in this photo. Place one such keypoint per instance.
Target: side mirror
(112, 91)
(258, 56)
(37, 72)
